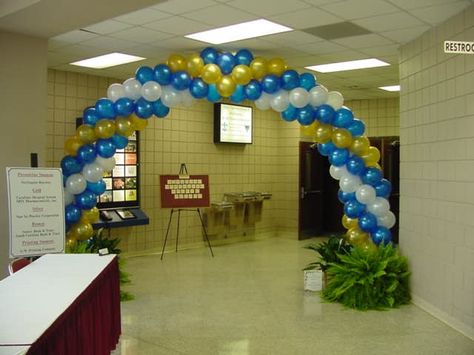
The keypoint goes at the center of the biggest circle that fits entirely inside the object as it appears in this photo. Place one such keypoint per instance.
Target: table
(62, 304)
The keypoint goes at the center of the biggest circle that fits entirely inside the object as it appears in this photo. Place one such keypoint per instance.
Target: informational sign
(236, 124)
(184, 191)
(36, 211)
(458, 47)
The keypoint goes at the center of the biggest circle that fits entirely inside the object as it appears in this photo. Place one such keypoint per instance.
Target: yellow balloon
(258, 67)
(309, 131)
(356, 237)
(71, 145)
(104, 128)
(225, 86)
(372, 156)
(176, 62)
(138, 123)
(80, 231)
(123, 126)
(195, 65)
(360, 145)
(368, 245)
(241, 74)
(91, 215)
(211, 73)
(341, 138)
(276, 66)
(86, 134)
(323, 133)
(349, 223)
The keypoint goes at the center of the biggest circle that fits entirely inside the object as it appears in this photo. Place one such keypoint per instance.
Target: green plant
(328, 252)
(374, 278)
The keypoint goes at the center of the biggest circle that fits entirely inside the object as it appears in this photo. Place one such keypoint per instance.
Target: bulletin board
(182, 191)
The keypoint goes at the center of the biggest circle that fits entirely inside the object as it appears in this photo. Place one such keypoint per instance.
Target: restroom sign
(459, 47)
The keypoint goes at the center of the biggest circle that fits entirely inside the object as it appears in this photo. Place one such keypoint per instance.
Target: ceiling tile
(410, 4)
(143, 16)
(292, 38)
(177, 25)
(320, 48)
(141, 35)
(182, 6)
(109, 43)
(389, 22)
(106, 27)
(268, 7)
(220, 15)
(439, 13)
(391, 49)
(406, 35)
(73, 37)
(306, 18)
(353, 9)
(363, 41)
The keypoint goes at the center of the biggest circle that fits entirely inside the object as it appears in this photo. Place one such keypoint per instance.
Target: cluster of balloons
(213, 75)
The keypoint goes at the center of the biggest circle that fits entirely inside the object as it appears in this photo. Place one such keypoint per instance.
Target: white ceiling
(86, 28)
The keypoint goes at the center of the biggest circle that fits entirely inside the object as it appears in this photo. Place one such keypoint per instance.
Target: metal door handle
(304, 192)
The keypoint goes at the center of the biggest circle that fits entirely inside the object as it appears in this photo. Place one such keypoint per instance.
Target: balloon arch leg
(212, 75)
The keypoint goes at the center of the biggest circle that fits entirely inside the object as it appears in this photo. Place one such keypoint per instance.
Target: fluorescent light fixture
(390, 88)
(239, 31)
(107, 60)
(351, 65)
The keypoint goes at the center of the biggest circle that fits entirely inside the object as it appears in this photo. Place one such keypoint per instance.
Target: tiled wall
(437, 171)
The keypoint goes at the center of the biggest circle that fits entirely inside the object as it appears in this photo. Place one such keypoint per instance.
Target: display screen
(232, 123)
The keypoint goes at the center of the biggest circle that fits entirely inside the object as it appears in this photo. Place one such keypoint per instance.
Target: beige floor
(249, 299)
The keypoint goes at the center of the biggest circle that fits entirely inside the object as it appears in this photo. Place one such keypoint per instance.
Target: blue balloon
(97, 187)
(143, 108)
(270, 83)
(181, 80)
(290, 114)
(105, 147)
(162, 74)
(290, 79)
(305, 115)
(355, 165)
(72, 213)
(144, 74)
(383, 188)
(70, 165)
(307, 81)
(90, 116)
(226, 62)
(238, 95)
(86, 200)
(119, 141)
(381, 235)
(371, 176)
(86, 154)
(326, 148)
(339, 156)
(105, 108)
(198, 88)
(209, 55)
(244, 56)
(353, 208)
(367, 222)
(159, 109)
(356, 127)
(343, 118)
(124, 106)
(325, 113)
(346, 196)
(253, 90)
(213, 95)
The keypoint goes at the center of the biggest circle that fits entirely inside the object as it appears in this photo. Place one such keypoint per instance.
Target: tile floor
(249, 300)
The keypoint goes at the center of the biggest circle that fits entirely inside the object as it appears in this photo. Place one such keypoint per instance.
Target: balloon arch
(213, 75)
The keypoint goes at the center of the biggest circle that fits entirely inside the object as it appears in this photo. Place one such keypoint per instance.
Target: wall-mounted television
(232, 123)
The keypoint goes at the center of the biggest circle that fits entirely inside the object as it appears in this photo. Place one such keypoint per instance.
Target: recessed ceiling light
(390, 88)
(107, 60)
(239, 31)
(351, 65)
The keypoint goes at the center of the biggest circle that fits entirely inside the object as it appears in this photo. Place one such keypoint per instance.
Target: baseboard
(444, 317)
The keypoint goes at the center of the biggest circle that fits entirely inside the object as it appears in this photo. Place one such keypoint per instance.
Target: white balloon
(379, 207)
(318, 95)
(170, 97)
(68, 197)
(115, 92)
(335, 99)
(387, 220)
(132, 88)
(337, 172)
(280, 101)
(186, 98)
(106, 163)
(365, 194)
(151, 91)
(263, 102)
(92, 172)
(349, 183)
(75, 184)
(299, 97)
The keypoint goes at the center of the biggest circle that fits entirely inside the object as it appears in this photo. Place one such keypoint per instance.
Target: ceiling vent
(337, 30)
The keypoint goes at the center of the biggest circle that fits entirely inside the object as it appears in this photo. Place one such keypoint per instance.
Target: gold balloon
(341, 138)
(86, 134)
(123, 126)
(195, 64)
(309, 131)
(176, 62)
(138, 123)
(91, 215)
(323, 133)
(80, 231)
(368, 245)
(211, 73)
(372, 156)
(225, 86)
(258, 67)
(104, 128)
(242, 74)
(356, 237)
(360, 145)
(276, 66)
(349, 223)
(71, 145)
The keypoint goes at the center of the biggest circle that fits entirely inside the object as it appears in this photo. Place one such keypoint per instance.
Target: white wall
(22, 114)
(437, 171)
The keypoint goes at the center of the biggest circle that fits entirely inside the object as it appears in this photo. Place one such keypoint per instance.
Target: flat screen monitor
(232, 123)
